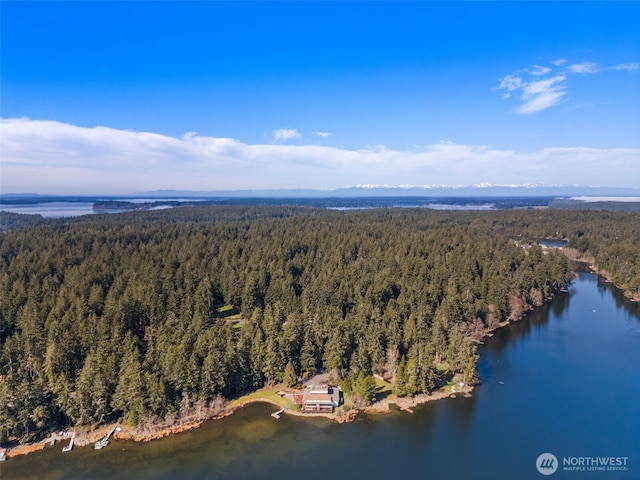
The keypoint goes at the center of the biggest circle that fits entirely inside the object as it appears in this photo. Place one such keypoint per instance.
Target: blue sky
(115, 97)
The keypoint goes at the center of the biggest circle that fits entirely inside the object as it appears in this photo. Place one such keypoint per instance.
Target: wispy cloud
(584, 67)
(322, 134)
(537, 70)
(542, 87)
(53, 157)
(626, 66)
(542, 94)
(510, 83)
(284, 134)
(536, 95)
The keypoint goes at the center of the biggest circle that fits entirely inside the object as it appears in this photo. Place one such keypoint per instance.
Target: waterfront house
(320, 399)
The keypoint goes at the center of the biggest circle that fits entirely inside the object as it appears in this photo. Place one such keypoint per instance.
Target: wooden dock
(69, 447)
(277, 414)
(105, 441)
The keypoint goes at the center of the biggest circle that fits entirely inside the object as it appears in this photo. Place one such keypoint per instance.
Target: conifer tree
(290, 378)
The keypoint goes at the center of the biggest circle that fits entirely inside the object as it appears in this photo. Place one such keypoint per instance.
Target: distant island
(363, 196)
(125, 206)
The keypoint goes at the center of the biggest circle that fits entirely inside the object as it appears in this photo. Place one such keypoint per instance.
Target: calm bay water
(565, 381)
(75, 208)
(68, 209)
(51, 209)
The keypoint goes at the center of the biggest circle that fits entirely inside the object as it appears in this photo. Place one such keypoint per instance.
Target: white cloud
(543, 87)
(584, 67)
(322, 134)
(542, 94)
(541, 101)
(510, 83)
(284, 134)
(537, 70)
(53, 157)
(626, 66)
(537, 93)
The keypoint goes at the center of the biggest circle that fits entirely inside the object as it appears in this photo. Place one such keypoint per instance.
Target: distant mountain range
(359, 191)
(402, 191)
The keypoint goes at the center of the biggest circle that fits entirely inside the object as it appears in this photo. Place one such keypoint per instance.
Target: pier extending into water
(69, 447)
(105, 441)
(277, 414)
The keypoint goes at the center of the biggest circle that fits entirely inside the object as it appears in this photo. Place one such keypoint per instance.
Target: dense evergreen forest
(144, 314)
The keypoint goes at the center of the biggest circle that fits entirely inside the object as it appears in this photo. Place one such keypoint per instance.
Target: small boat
(3, 455)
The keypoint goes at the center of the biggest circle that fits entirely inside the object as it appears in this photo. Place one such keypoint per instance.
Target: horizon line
(379, 190)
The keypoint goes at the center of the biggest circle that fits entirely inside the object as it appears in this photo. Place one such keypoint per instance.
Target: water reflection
(633, 308)
(519, 331)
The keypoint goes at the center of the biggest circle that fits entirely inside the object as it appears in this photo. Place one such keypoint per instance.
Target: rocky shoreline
(146, 433)
(632, 296)
(85, 436)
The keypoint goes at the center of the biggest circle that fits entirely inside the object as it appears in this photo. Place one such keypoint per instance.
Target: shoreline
(84, 436)
(589, 262)
(628, 294)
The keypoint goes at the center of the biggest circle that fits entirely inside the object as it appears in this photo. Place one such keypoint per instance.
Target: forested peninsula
(145, 316)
